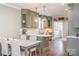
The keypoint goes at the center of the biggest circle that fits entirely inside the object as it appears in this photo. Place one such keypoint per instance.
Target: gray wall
(10, 21)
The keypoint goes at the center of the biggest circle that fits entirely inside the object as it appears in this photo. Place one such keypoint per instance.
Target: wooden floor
(57, 47)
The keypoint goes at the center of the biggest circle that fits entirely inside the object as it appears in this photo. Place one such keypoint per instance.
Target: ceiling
(51, 9)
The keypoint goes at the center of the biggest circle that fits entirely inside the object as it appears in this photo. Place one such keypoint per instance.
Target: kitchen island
(44, 42)
(73, 45)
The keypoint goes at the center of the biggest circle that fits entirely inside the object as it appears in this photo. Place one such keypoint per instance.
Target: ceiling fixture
(41, 10)
(40, 13)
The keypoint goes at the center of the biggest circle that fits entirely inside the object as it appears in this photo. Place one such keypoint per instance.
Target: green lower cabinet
(44, 45)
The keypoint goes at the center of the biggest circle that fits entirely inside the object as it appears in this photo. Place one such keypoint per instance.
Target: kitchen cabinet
(44, 42)
(72, 44)
(44, 45)
(23, 20)
(75, 14)
(29, 18)
(73, 19)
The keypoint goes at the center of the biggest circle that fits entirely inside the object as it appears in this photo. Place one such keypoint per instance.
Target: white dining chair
(9, 45)
(23, 37)
(33, 38)
(4, 46)
(15, 48)
(10, 38)
(0, 48)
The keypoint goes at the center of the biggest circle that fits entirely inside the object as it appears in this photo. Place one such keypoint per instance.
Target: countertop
(73, 37)
(41, 35)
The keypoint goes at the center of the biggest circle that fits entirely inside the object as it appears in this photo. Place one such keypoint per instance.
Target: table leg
(26, 52)
(40, 50)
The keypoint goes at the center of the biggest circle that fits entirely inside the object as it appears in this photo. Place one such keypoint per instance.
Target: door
(60, 29)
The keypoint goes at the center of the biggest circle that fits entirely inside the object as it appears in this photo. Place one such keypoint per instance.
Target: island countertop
(41, 35)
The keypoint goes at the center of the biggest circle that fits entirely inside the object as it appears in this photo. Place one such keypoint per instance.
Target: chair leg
(30, 53)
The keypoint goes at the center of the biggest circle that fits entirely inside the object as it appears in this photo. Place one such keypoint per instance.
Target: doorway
(58, 29)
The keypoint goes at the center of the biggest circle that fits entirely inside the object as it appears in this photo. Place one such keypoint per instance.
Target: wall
(71, 30)
(10, 22)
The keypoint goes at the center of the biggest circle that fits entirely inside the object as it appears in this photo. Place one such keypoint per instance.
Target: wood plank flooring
(57, 47)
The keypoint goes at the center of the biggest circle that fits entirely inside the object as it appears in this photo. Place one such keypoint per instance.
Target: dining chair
(33, 38)
(4, 46)
(15, 48)
(23, 37)
(0, 50)
(9, 45)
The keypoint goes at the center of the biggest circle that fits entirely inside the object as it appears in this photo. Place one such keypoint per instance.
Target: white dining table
(28, 44)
